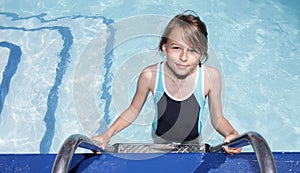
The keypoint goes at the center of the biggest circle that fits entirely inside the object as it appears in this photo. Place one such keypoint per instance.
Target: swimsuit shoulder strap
(159, 87)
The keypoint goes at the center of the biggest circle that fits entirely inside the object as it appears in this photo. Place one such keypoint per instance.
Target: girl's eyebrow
(174, 43)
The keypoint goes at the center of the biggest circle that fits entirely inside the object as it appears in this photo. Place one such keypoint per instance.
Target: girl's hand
(101, 140)
(229, 150)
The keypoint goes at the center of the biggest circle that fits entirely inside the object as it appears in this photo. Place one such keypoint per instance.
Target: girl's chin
(181, 74)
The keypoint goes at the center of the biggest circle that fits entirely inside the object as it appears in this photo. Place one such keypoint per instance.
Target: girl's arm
(219, 122)
(131, 113)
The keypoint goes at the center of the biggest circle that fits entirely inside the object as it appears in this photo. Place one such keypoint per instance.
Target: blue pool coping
(170, 162)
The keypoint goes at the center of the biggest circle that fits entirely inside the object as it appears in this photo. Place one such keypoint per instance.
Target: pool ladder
(262, 151)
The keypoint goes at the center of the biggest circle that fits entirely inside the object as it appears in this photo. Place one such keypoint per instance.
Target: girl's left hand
(229, 150)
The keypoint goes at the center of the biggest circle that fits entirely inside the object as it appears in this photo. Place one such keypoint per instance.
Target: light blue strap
(159, 91)
(200, 98)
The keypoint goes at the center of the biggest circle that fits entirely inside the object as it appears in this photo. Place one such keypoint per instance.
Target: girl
(180, 85)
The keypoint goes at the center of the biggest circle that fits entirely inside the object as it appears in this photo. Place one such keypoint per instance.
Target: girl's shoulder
(211, 71)
(148, 75)
(151, 69)
(210, 68)
(212, 77)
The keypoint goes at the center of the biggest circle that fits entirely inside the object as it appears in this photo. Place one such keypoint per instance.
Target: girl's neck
(179, 79)
(179, 87)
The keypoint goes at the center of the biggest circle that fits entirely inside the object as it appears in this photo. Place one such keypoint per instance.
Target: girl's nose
(183, 55)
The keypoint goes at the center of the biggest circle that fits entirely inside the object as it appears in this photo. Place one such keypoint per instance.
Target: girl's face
(182, 59)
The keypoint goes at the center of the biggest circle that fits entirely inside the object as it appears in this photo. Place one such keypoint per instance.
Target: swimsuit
(178, 120)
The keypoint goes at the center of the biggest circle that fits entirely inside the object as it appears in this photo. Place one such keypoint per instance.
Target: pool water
(70, 67)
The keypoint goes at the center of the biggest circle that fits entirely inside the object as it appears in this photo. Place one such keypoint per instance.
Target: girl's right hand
(101, 140)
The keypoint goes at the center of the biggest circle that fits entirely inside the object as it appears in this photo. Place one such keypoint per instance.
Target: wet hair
(194, 33)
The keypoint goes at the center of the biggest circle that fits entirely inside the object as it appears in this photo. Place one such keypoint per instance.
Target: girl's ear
(164, 48)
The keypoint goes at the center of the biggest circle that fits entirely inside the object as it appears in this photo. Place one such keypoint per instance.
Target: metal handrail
(65, 154)
(262, 150)
(263, 153)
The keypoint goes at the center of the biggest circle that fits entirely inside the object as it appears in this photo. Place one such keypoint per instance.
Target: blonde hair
(194, 33)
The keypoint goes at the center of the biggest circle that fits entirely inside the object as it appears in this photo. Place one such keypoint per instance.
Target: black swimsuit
(178, 120)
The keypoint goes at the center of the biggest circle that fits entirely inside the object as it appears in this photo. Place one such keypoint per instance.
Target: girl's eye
(176, 48)
(193, 51)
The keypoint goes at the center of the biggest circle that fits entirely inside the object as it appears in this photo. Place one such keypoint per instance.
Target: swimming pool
(67, 67)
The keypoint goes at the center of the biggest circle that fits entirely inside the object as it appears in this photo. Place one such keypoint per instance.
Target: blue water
(70, 67)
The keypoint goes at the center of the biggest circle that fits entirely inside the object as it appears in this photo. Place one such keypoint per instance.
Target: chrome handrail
(263, 153)
(262, 150)
(65, 154)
